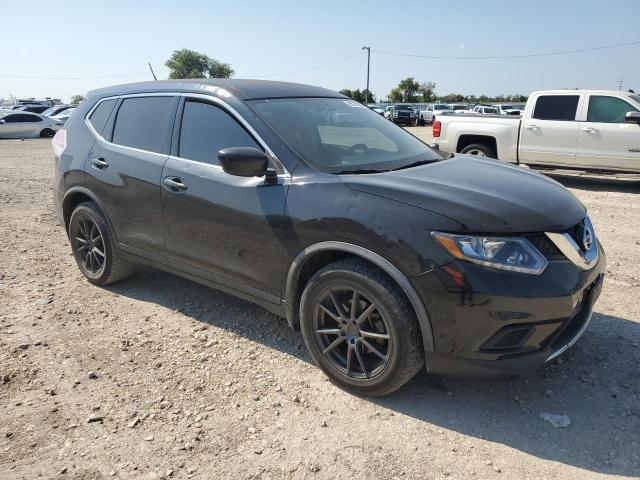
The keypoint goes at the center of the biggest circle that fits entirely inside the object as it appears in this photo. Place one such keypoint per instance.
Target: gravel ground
(159, 377)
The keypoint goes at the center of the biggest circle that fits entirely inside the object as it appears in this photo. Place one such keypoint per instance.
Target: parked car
(19, 124)
(32, 108)
(459, 107)
(376, 108)
(64, 115)
(580, 129)
(401, 114)
(56, 110)
(427, 116)
(381, 250)
(509, 109)
(485, 110)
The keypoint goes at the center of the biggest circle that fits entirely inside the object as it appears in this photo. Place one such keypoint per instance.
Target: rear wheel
(360, 329)
(47, 133)
(94, 248)
(479, 149)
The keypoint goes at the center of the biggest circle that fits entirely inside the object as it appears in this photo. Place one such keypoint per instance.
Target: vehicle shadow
(596, 383)
(598, 183)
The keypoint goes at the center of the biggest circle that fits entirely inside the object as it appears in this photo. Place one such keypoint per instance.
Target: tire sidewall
(89, 209)
(387, 305)
(477, 146)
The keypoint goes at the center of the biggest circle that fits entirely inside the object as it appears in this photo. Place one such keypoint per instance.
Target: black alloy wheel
(351, 332)
(360, 328)
(94, 247)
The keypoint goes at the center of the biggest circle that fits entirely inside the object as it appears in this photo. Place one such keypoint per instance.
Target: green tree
(76, 99)
(406, 91)
(187, 63)
(427, 92)
(359, 95)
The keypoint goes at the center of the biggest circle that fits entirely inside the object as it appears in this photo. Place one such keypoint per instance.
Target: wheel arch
(322, 253)
(467, 139)
(74, 197)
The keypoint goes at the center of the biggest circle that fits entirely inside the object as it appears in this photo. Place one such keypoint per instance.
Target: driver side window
(604, 109)
(207, 129)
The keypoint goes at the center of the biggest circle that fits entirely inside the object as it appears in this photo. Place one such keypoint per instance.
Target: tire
(479, 149)
(395, 360)
(103, 265)
(47, 133)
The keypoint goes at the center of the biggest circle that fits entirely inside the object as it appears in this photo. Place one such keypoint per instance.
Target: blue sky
(276, 39)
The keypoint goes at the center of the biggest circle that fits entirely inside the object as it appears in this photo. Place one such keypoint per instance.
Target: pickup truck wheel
(479, 149)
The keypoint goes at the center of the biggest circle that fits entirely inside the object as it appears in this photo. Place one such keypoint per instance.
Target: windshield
(459, 107)
(342, 136)
(404, 107)
(440, 106)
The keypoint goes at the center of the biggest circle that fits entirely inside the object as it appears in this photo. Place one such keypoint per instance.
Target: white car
(427, 115)
(481, 109)
(64, 115)
(571, 129)
(511, 109)
(18, 124)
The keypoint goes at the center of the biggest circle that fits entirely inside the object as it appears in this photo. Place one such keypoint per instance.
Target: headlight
(508, 253)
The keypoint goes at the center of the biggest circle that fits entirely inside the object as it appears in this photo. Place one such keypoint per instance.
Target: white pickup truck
(570, 129)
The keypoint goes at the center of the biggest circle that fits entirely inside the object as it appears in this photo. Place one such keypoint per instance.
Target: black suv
(402, 115)
(385, 253)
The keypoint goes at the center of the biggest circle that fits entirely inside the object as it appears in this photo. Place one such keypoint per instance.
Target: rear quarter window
(144, 123)
(98, 118)
(556, 107)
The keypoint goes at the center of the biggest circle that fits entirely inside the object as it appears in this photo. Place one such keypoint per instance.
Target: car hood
(483, 195)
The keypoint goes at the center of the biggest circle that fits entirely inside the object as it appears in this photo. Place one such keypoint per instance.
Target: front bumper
(488, 322)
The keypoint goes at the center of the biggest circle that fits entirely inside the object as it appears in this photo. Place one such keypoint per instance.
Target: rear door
(549, 132)
(606, 141)
(124, 167)
(224, 228)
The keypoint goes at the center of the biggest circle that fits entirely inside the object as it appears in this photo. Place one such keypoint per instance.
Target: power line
(312, 68)
(504, 57)
(28, 77)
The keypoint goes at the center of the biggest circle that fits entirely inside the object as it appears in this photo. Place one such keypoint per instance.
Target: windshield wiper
(359, 172)
(414, 164)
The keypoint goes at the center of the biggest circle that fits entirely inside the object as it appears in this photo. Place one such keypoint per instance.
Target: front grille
(545, 246)
(549, 249)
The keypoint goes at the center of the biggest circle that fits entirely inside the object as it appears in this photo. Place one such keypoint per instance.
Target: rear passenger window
(144, 123)
(100, 115)
(207, 129)
(608, 109)
(556, 107)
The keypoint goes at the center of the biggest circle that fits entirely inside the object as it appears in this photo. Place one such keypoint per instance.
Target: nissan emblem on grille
(587, 238)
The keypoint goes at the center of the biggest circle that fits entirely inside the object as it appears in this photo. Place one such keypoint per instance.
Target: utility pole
(366, 94)
(619, 83)
(152, 73)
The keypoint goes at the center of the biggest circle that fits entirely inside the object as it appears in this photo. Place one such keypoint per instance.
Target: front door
(221, 227)
(606, 141)
(549, 135)
(124, 169)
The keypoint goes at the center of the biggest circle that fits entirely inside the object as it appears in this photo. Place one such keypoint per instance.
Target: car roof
(243, 89)
(576, 91)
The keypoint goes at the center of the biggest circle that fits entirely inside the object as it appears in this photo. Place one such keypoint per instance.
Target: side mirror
(244, 161)
(632, 117)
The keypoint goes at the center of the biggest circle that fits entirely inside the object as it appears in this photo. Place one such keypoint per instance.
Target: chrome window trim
(209, 98)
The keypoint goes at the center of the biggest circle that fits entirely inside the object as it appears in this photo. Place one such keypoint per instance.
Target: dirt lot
(160, 377)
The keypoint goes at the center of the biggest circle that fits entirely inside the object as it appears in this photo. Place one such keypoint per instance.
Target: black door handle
(99, 163)
(174, 185)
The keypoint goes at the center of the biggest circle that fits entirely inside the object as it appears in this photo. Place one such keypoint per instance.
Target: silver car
(17, 124)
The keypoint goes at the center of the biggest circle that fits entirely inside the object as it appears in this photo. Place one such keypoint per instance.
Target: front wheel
(360, 329)
(479, 149)
(47, 133)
